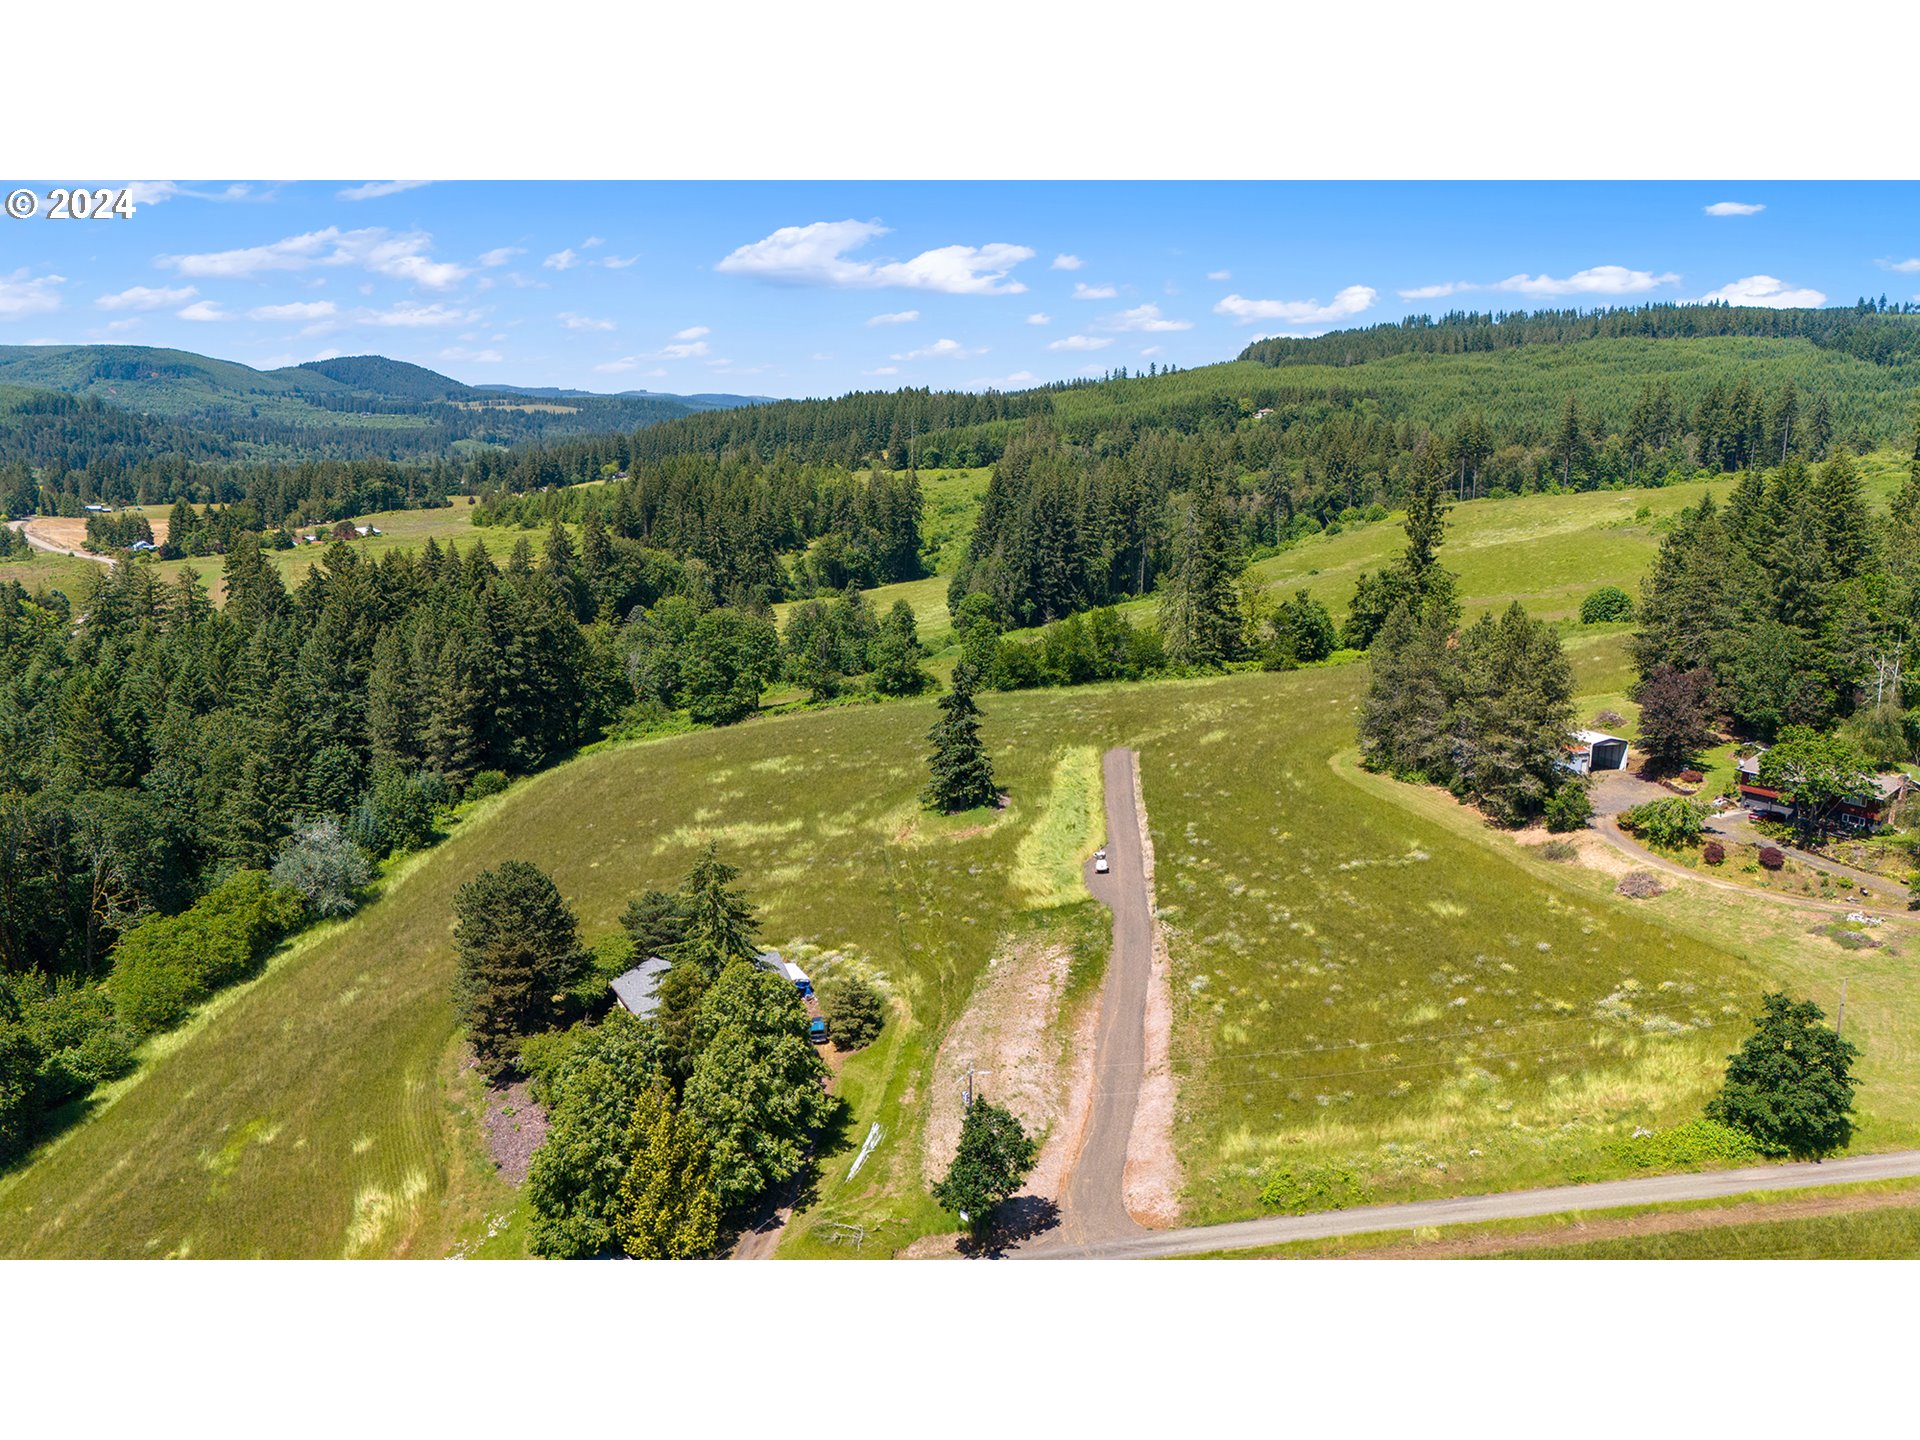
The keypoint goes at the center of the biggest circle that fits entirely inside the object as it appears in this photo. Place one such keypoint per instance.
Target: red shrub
(1713, 852)
(1692, 777)
(1771, 858)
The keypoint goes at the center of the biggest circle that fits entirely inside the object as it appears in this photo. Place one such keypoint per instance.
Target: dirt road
(40, 536)
(1093, 1207)
(1514, 1205)
(1608, 827)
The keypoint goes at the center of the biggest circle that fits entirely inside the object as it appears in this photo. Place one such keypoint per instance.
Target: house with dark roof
(1872, 809)
(638, 991)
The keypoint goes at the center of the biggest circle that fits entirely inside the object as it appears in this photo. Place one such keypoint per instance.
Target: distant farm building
(1592, 750)
(1867, 811)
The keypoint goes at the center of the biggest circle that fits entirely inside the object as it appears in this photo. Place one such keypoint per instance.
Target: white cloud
(1084, 291)
(692, 332)
(1143, 317)
(690, 351)
(591, 241)
(942, 350)
(1016, 381)
(204, 310)
(21, 297)
(1081, 342)
(1733, 207)
(375, 189)
(472, 357)
(618, 262)
(816, 255)
(132, 322)
(401, 256)
(1039, 317)
(1600, 280)
(1349, 302)
(882, 370)
(147, 297)
(298, 310)
(1766, 291)
(410, 314)
(561, 260)
(1903, 267)
(158, 192)
(499, 256)
(583, 322)
(1148, 351)
(898, 317)
(1067, 262)
(616, 367)
(1219, 274)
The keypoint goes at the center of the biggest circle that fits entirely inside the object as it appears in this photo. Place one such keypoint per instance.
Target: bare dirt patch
(1154, 1179)
(1007, 1035)
(516, 1123)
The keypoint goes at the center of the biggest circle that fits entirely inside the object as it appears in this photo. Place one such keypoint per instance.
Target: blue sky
(795, 288)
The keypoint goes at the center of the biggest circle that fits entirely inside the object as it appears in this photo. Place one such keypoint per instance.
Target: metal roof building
(638, 989)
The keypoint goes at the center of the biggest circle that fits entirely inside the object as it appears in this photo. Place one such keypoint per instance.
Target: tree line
(1791, 604)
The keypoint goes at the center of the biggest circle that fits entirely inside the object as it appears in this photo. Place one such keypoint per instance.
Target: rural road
(1093, 1207)
(1513, 1205)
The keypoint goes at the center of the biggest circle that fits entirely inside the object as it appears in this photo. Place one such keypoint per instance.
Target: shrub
(166, 965)
(396, 813)
(1296, 1190)
(1606, 719)
(1913, 894)
(1606, 605)
(1640, 885)
(1772, 858)
(1558, 850)
(856, 1012)
(487, 782)
(1690, 1146)
(1669, 824)
(324, 867)
(1568, 808)
(1714, 853)
(1691, 777)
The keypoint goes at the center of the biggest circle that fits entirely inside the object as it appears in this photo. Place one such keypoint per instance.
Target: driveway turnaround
(1513, 1205)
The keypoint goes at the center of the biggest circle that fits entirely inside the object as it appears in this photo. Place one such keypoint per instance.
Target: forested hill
(1874, 331)
(349, 408)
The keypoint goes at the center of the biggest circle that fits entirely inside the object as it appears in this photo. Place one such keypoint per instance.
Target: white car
(1100, 866)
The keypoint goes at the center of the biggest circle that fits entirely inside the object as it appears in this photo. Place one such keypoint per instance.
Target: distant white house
(1593, 750)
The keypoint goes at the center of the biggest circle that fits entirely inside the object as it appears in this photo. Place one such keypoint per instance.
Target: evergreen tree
(962, 775)
(716, 920)
(667, 1208)
(1199, 604)
(519, 950)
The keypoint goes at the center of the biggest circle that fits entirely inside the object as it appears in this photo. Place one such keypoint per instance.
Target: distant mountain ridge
(350, 406)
